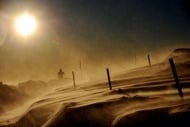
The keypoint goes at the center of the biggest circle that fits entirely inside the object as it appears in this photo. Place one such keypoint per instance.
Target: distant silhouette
(60, 74)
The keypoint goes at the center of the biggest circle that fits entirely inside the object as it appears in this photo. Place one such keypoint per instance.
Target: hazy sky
(98, 33)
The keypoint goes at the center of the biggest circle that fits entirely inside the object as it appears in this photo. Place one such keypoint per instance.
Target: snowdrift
(33, 88)
(9, 96)
(144, 96)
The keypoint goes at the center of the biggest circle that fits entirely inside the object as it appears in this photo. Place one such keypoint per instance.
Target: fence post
(149, 60)
(74, 84)
(109, 80)
(176, 77)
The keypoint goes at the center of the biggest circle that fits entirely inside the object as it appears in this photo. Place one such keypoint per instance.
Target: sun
(25, 24)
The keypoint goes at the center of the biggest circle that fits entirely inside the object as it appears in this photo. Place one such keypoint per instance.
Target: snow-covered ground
(144, 96)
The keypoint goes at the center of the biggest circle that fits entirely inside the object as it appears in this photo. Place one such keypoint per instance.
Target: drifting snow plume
(145, 96)
(180, 55)
(9, 96)
(179, 51)
(33, 88)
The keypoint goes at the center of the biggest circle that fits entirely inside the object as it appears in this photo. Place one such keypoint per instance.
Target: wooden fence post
(74, 83)
(109, 80)
(176, 77)
(149, 60)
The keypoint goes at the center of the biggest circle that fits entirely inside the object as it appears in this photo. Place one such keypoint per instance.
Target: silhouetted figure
(60, 74)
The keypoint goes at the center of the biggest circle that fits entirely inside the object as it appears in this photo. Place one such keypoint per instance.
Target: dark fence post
(149, 60)
(176, 77)
(109, 80)
(74, 79)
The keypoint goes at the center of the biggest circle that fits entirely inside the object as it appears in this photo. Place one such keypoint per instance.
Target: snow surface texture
(144, 96)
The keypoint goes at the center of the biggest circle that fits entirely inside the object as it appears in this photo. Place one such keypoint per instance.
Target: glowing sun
(25, 24)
